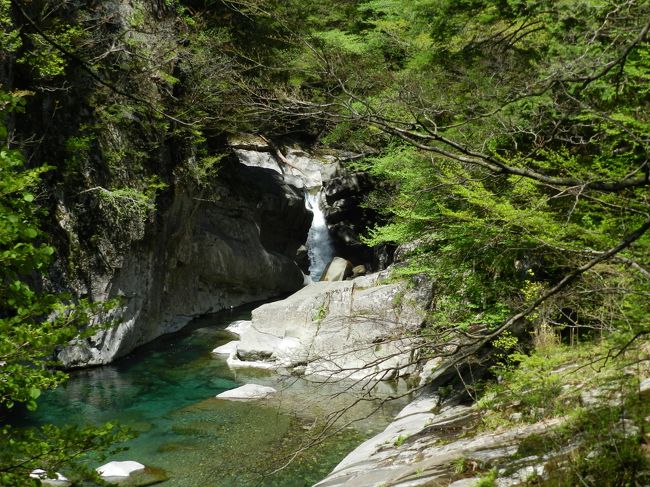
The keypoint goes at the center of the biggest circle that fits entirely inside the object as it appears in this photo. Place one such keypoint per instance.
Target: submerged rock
(247, 392)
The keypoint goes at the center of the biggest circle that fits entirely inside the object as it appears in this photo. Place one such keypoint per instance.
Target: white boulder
(238, 327)
(41, 475)
(119, 469)
(247, 392)
(228, 349)
(337, 270)
(344, 329)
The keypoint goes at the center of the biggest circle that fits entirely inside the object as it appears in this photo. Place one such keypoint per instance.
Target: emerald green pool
(165, 391)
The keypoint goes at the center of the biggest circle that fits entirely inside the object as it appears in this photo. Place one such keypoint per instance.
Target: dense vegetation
(32, 324)
(509, 142)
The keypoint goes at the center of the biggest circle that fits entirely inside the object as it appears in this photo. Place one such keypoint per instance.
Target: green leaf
(29, 197)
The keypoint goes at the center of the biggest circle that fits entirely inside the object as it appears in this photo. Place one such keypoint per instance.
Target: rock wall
(206, 253)
(143, 206)
(348, 218)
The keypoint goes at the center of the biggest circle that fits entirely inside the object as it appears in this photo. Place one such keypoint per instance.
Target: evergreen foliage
(514, 137)
(33, 323)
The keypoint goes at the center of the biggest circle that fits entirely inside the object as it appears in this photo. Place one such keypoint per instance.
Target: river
(165, 392)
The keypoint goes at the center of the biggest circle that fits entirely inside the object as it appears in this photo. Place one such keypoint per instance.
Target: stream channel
(165, 391)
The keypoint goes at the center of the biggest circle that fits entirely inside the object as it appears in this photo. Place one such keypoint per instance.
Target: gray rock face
(343, 329)
(140, 213)
(424, 444)
(208, 252)
(347, 217)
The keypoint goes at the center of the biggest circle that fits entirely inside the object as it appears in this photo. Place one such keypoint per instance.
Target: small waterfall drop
(319, 244)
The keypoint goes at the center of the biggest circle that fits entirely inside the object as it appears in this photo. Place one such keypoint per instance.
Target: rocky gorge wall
(205, 254)
(143, 208)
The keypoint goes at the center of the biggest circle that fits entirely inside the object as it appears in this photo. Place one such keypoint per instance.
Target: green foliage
(488, 480)
(32, 324)
(399, 441)
(45, 59)
(603, 437)
(10, 40)
(460, 465)
(611, 453)
(520, 84)
(130, 204)
(321, 312)
(203, 168)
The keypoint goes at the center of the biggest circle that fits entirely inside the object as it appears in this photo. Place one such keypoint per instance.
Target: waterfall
(319, 244)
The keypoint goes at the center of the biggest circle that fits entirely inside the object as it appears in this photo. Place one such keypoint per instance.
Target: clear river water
(165, 392)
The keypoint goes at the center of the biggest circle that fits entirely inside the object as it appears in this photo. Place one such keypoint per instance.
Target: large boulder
(337, 270)
(427, 442)
(345, 329)
(119, 469)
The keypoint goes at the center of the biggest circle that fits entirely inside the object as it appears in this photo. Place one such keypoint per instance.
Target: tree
(512, 142)
(514, 137)
(33, 323)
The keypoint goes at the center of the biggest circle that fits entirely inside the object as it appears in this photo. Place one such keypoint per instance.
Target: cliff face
(143, 207)
(204, 255)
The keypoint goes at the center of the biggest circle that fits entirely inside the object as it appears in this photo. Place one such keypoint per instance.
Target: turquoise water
(165, 391)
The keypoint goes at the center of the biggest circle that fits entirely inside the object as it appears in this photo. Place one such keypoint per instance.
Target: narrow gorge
(303, 243)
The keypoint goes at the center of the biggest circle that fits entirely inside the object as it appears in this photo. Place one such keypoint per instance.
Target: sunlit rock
(345, 329)
(41, 475)
(337, 270)
(119, 469)
(247, 392)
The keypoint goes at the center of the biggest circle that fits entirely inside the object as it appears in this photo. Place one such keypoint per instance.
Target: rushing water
(165, 391)
(319, 243)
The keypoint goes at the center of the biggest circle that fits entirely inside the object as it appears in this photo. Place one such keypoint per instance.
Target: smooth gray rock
(207, 254)
(237, 327)
(247, 392)
(359, 270)
(421, 445)
(227, 349)
(342, 329)
(337, 270)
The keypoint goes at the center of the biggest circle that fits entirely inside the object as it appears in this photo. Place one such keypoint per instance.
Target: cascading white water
(319, 244)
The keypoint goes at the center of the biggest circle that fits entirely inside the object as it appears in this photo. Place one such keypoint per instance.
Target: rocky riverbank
(359, 329)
